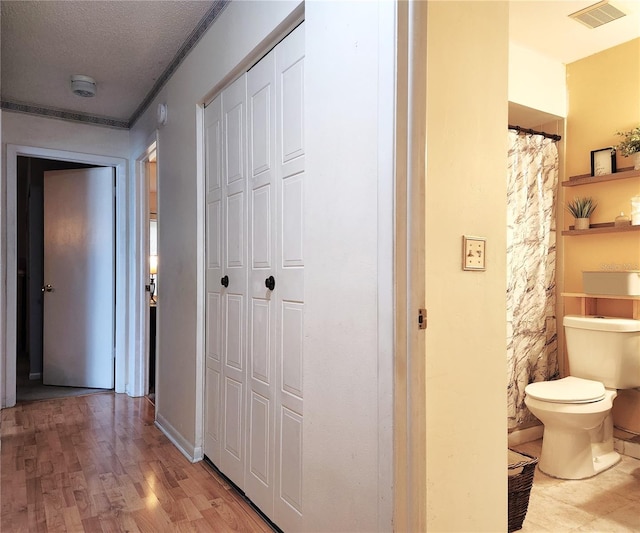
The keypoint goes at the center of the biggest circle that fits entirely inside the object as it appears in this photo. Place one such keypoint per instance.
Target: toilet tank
(604, 349)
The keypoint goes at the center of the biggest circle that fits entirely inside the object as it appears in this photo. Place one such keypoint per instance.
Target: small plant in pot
(581, 209)
(630, 145)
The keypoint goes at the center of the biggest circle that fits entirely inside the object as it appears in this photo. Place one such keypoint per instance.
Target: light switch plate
(473, 253)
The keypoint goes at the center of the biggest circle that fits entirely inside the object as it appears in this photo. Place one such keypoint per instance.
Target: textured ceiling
(129, 47)
(124, 45)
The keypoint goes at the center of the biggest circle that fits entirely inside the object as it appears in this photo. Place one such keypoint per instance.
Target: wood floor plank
(72, 519)
(97, 463)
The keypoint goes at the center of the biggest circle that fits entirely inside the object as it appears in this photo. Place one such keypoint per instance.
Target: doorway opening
(9, 238)
(151, 174)
(30, 229)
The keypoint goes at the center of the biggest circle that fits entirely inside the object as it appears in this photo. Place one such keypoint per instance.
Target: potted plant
(581, 209)
(630, 145)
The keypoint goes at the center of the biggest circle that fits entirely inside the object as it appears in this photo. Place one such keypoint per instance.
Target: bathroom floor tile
(625, 519)
(550, 514)
(608, 502)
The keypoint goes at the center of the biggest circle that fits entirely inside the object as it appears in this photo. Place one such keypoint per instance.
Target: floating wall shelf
(589, 302)
(588, 179)
(605, 227)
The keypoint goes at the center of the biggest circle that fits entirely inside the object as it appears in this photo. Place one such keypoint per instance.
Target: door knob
(270, 283)
(47, 288)
(225, 281)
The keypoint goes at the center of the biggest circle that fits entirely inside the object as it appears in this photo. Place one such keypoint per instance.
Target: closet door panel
(235, 233)
(234, 336)
(290, 166)
(261, 228)
(212, 398)
(290, 68)
(233, 416)
(261, 336)
(292, 80)
(234, 136)
(261, 93)
(214, 244)
(290, 474)
(259, 460)
(213, 141)
(292, 221)
(213, 238)
(291, 349)
(214, 329)
(261, 128)
(234, 294)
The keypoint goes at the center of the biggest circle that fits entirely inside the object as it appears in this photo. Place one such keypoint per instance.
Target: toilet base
(575, 456)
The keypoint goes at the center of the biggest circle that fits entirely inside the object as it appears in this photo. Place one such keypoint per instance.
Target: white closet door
(255, 199)
(261, 116)
(289, 290)
(214, 259)
(234, 169)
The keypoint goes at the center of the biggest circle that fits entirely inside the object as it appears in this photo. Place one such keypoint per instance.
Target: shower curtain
(531, 268)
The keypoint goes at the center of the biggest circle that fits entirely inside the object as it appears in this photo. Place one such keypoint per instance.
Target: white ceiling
(545, 27)
(124, 45)
(127, 46)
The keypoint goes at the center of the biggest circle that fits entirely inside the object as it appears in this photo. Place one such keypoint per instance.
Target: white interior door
(261, 348)
(214, 261)
(289, 277)
(78, 335)
(234, 375)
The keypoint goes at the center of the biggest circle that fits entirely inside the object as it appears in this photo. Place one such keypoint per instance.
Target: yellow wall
(467, 64)
(603, 98)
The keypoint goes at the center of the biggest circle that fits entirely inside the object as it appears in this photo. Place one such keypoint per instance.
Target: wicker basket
(520, 476)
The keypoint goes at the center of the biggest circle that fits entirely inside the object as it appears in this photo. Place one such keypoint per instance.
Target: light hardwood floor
(97, 463)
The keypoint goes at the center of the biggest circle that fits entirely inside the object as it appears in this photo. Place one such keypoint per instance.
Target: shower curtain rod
(552, 136)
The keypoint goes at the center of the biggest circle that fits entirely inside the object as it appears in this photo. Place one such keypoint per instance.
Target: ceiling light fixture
(597, 14)
(83, 86)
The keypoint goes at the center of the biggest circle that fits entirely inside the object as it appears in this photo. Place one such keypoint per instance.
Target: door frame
(139, 340)
(9, 243)
(409, 457)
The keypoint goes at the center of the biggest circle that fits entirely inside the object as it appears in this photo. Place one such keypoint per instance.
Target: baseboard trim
(520, 436)
(186, 448)
(35, 375)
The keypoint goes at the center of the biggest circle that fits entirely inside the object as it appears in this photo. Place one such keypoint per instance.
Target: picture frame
(603, 161)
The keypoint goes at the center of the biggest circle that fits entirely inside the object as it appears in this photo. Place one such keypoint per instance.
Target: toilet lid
(566, 390)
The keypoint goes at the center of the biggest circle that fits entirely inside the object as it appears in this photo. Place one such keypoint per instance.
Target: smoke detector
(597, 14)
(83, 86)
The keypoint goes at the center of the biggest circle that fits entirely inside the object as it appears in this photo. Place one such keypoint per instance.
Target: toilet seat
(567, 390)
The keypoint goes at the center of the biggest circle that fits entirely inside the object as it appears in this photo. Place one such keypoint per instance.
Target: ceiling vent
(83, 86)
(597, 14)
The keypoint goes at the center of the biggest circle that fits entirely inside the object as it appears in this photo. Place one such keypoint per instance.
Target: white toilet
(604, 355)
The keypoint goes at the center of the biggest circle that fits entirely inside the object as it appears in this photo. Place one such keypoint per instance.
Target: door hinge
(422, 319)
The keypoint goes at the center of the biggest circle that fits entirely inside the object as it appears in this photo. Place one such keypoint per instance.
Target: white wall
(467, 47)
(43, 132)
(349, 279)
(347, 457)
(536, 81)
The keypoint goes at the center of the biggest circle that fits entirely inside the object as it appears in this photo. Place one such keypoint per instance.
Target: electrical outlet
(473, 253)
